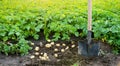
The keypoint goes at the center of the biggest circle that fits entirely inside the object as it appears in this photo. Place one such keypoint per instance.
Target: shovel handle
(89, 38)
(89, 15)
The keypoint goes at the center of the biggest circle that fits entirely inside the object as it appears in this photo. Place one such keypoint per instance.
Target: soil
(69, 57)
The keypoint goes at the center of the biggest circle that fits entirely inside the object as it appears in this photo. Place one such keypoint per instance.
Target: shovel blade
(91, 50)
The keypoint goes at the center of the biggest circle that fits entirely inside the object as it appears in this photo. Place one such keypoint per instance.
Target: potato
(62, 50)
(55, 49)
(31, 57)
(48, 40)
(48, 45)
(45, 55)
(32, 44)
(36, 53)
(40, 57)
(67, 48)
(73, 46)
(63, 44)
(43, 58)
(72, 42)
(47, 58)
(56, 55)
(52, 43)
(57, 45)
(41, 53)
(37, 48)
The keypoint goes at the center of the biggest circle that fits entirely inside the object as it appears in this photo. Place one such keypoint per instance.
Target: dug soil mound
(60, 53)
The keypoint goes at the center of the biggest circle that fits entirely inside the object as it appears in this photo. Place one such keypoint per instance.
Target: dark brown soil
(68, 58)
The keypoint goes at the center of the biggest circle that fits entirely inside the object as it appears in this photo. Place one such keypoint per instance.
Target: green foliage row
(21, 47)
(20, 19)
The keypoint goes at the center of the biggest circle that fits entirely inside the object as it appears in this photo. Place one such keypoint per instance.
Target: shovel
(88, 47)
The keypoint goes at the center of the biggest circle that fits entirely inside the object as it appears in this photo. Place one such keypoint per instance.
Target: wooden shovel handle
(89, 15)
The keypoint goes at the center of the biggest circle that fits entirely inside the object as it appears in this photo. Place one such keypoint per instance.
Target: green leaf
(5, 38)
(18, 33)
(36, 36)
(11, 33)
(6, 49)
(76, 34)
(2, 33)
(56, 36)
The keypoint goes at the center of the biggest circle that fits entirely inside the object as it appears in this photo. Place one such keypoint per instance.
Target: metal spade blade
(91, 50)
